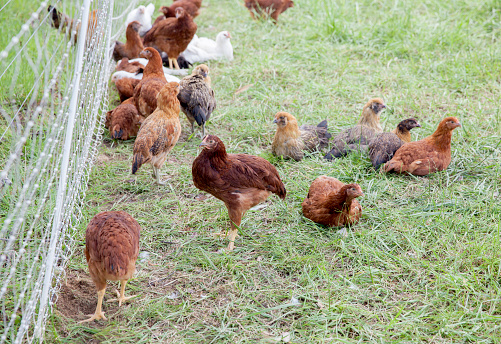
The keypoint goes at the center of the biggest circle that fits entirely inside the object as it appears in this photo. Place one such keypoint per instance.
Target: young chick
(159, 132)
(142, 15)
(197, 98)
(385, 145)
(241, 181)
(360, 136)
(332, 203)
(291, 141)
(133, 44)
(124, 121)
(429, 155)
(111, 250)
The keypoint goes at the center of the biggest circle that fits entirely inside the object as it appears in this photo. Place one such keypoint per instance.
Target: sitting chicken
(197, 97)
(125, 84)
(111, 249)
(124, 121)
(143, 16)
(241, 181)
(291, 141)
(429, 155)
(360, 136)
(332, 203)
(159, 132)
(133, 44)
(385, 145)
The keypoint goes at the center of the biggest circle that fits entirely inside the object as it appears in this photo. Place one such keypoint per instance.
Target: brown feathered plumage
(131, 67)
(360, 136)
(429, 155)
(133, 44)
(332, 203)
(125, 87)
(241, 181)
(111, 249)
(62, 21)
(273, 8)
(124, 121)
(196, 97)
(170, 11)
(291, 141)
(159, 132)
(197, 3)
(385, 145)
(145, 93)
(172, 35)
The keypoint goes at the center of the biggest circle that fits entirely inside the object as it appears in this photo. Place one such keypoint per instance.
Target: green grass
(422, 265)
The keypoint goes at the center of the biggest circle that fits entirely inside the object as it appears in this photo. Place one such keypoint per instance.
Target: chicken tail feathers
(137, 161)
(199, 115)
(117, 133)
(323, 124)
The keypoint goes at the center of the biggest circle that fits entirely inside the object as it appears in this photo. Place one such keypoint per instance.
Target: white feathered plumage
(144, 62)
(143, 15)
(123, 74)
(203, 49)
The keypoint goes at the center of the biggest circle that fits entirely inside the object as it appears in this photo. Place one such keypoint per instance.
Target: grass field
(423, 264)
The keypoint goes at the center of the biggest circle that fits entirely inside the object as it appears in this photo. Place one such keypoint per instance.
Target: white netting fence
(53, 92)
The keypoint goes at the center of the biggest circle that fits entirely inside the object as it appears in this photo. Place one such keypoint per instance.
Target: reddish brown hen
(170, 12)
(332, 203)
(197, 3)
(111, 249)
(241, 181)
(133, 44)
(125, 86)
(172, 35)
(273, 8)
(159, 132)
(131, 67)
(124, 121)
(146, 91)
(429, 155)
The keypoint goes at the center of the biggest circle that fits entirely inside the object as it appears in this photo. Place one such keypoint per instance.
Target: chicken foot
(121, 295)
(236, 219)
(98, 314)
(156, 175)
(173, 62)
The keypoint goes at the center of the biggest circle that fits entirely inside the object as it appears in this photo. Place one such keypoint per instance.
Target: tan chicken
(291, 141)
(124, 121)
(159, 132)
(429, 155)
(145, 93)
(133, 44)
(196, 97)
(172, 35)
(360, 136)
(332, 203)
(273, 8)
(241, 181)
(385, 145)
(111, 250)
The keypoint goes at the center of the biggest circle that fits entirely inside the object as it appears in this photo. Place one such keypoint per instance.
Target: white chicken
(123, 74)
(203, 49)
(143, 15)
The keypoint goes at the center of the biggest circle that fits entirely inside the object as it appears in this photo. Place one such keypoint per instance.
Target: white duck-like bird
(143, 15)
(203, 49)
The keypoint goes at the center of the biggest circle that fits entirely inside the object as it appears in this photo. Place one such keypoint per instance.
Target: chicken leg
(98, 314)
(236, 219)
(156, 174)
(121, 295)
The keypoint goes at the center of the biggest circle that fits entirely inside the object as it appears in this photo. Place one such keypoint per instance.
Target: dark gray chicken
(197, 98)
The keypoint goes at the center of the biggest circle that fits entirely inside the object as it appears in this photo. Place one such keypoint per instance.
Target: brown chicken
(197, 97)
(131, 67)
(360, 136)
(429, 155)
(272, 8)
(385, 145)
(291, 141)
(111, 249)
(145, 93)
(62, 21)
(241, 181)
(133, 44)
(172, 35)
(125, 87)
(197, 3)
(332, 203)
(169, 12)
(159, 132)
(124, 121)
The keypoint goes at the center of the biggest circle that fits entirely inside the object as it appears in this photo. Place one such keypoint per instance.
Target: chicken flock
(152, 98)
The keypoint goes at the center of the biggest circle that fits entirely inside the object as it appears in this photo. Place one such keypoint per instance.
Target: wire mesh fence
(55, 63)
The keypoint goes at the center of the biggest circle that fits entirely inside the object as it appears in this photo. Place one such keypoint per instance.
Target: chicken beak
(229, 35)
(275, 121)
(418, 125)
(202, 144)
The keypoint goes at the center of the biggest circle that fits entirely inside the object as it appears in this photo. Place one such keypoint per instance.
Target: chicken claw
(98, 314)
(121, 294)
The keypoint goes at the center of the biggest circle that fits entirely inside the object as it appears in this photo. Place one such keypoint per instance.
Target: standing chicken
(429, 155)
(145, 93)
(172, 35)
(159, 132)
(170, 11)
(273, 8)
(124, 121)
(62, 21)
(241, 181)
(291, 141)
(197, 3)
(196, 97)
(133, 44)
(360, 136)
(385, 145)
(111, 249)
(332, 203)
